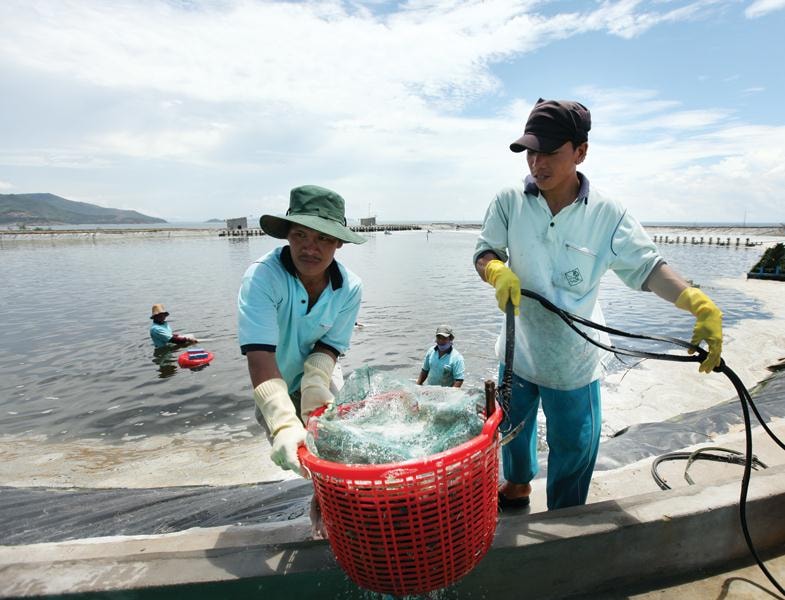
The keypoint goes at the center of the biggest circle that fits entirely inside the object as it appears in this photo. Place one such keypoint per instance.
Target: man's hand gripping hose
(506, 284)
(708, 327)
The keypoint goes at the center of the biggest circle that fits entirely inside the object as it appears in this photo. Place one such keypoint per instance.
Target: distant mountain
(48, 209)
(214, 220)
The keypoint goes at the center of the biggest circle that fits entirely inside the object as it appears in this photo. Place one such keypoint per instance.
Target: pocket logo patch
(574, 277)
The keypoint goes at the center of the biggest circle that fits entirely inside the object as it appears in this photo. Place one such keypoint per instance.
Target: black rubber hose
(698, 355)
(504, 391)
(730, 457)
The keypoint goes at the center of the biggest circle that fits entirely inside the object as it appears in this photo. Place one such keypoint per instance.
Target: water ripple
(77, 361)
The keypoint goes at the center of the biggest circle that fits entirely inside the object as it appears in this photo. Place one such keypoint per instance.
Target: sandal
(512, 503)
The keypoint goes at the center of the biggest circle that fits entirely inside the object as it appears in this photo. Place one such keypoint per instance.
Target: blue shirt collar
(583, 192)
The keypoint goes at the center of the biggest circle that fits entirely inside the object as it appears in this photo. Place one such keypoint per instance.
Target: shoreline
(652, 391)
(719, 231)
(758, 231)
(655, 391)
(104, 234)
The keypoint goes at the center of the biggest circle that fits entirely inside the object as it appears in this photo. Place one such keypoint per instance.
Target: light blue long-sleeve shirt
(563, 258)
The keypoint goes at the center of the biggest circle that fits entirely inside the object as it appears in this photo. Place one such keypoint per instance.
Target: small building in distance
(237, 224)
(367, 221)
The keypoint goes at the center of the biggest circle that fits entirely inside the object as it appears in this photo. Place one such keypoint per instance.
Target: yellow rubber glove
(708, 324)
(315, 384)
(507, 284)
(286, 430)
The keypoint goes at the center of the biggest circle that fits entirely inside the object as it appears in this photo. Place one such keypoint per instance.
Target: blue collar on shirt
(583, 192)
(446, 351)
(336, 279)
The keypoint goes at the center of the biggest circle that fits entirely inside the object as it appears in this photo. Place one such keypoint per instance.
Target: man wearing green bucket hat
(296, 311)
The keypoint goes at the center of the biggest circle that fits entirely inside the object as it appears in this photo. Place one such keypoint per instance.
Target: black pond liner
(35, 515)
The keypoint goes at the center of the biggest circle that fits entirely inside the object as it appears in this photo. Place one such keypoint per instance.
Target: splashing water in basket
(378, 419)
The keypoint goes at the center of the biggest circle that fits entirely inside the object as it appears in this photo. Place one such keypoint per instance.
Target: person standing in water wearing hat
(161, 331)
(443, 364)
(557, 237)
(297, 307)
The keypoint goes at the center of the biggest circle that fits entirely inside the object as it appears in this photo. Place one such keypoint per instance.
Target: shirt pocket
(325, 324)
(315, 328)
(447, 378)
(577, 268)
(322, 329)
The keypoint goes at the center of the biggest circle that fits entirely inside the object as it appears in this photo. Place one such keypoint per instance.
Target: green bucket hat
(315, 207)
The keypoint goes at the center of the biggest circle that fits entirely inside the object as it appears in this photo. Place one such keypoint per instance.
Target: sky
(190, 110)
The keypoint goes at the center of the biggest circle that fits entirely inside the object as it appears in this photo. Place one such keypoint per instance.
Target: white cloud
(168, 144)
(700, 177)
(292, 57)
(287, 57)
(629, 19)
(55, 157)
(669, 164)
(758, 8)
(4, 185)
(235, 101)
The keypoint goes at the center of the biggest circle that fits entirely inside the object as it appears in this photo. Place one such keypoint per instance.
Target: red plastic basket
(414, 526)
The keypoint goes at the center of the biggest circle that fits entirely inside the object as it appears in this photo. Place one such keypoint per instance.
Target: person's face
(442, 339)
(553, 170)
(159, 318)
(312, 251)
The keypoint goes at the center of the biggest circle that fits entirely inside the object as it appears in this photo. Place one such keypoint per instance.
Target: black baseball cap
(551, 123)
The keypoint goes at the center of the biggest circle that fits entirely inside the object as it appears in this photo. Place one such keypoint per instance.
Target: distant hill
(48, 209)
(214, 220)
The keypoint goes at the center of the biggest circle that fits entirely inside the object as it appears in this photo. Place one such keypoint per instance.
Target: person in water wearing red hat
(556, 236)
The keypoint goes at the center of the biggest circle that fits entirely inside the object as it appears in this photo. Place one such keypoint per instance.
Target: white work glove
(315, 384)
(286, 430)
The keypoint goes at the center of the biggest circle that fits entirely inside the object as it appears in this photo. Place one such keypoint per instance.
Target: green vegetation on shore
(772, 258)
(47, 209)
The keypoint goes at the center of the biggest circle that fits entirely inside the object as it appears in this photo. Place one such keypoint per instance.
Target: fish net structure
(413, 526)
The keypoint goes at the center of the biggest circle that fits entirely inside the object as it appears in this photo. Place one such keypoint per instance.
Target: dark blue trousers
(572, 421)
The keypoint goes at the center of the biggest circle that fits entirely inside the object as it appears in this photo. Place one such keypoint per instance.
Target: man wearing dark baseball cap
(551, 123)
(556, 236)
(297, 308)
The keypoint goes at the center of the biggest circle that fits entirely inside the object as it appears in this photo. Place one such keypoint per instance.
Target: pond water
(76, 359)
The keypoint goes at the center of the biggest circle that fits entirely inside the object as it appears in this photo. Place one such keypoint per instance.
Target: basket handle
(304, 470)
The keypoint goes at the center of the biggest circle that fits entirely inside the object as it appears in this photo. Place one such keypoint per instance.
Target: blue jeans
(572, 421)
